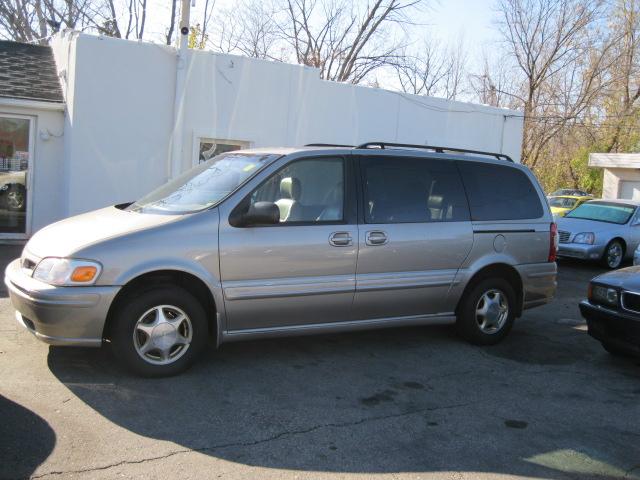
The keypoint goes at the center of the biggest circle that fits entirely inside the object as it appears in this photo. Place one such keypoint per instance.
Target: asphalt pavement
(547, 403)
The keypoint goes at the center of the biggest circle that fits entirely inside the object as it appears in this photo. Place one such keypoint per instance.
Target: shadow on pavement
(26, 440)
(403, 400)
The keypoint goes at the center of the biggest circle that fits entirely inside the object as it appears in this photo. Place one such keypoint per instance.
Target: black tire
(613, 350)
(134, 307)
(16, 198)
(608, 255)
(467, 323)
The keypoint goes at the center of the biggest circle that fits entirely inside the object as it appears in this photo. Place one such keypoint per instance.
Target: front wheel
(613, 255)
(159, 332)
(16, 197)
(487, 312)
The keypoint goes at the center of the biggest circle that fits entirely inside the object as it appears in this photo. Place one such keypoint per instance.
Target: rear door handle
(376, 237)
(340, 239)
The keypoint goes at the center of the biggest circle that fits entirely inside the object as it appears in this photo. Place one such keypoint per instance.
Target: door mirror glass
(261, 213)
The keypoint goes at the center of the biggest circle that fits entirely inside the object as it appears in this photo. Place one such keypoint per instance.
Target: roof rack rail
(328, 145)
(383, 145)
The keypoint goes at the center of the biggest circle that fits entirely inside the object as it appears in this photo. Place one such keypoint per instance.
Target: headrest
(290, 187)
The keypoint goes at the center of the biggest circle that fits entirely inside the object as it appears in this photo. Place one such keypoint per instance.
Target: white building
(117, 135)
(621, 174)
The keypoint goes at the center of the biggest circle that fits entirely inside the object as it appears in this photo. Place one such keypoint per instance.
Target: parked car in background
(612, 310)
(636, 256)
(604, 230)
(562, 204)
(571, 192)
(272, 242)
(13, 193)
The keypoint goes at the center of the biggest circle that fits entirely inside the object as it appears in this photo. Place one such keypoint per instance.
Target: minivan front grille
(631, 301)
(563, 237)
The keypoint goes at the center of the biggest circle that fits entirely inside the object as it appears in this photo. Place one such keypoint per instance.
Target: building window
(209, 148)
(14, 163)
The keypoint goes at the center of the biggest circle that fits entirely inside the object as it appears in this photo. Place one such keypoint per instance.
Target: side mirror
(260, 213)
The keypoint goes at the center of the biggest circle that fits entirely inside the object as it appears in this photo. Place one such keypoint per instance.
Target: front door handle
(376, 237)
(340, 239)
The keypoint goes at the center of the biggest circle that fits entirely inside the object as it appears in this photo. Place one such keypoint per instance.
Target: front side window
(306, 191)
(499, 192)
(603, 212)
(203, 186)
(412, 190)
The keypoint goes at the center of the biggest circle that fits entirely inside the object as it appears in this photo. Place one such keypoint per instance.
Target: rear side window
(499, 192)
(412, 190)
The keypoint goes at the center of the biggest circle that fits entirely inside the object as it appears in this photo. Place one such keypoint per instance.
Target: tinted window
(499, 192)
(306, 191)
(409, 190)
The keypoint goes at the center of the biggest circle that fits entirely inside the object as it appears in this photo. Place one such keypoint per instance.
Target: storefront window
(14, 164)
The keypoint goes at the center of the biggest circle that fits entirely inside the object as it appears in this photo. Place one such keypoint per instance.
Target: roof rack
(328, 145)
(383, 145)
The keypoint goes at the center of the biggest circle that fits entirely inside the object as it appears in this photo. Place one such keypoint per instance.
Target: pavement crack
(253, 443)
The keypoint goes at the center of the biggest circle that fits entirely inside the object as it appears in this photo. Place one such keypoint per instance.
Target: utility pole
(182, 58)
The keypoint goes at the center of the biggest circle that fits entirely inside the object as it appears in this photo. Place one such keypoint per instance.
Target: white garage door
(629, 190)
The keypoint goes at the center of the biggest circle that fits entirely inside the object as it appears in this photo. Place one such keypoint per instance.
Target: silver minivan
(272, 242)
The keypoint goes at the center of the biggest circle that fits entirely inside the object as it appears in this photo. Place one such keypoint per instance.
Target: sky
(444, 19)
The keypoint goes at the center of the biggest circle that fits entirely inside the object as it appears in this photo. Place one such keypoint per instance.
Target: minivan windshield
(603, 212)
(203, 186)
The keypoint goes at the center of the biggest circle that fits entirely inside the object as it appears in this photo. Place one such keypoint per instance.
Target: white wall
(120, 97)
(613, 178)
(46, 162)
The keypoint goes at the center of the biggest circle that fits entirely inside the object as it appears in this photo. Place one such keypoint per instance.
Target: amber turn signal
(83, 274)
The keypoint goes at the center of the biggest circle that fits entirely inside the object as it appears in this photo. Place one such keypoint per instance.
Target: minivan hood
(578, 225)
(66, 237)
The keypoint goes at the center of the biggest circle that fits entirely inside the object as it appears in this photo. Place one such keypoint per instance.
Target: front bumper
(580, 250)
(619, 329)
(73, 316)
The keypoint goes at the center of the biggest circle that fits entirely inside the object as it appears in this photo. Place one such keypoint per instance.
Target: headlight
(585, 237)
(67, 271)
(603, 295)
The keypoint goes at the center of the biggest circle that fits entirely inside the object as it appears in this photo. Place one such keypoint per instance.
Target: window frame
(30, 173)
(349, 211)
(362, 190)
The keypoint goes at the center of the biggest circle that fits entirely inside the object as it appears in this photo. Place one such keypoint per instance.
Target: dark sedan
(612, 310)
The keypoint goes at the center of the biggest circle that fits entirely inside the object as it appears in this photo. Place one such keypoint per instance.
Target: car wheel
(615, 351)
(159, 332)
(613, 254)
(16, 198)
(487, 312)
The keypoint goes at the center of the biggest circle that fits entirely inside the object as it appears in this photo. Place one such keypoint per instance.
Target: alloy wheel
(162, 334)
(492, 311)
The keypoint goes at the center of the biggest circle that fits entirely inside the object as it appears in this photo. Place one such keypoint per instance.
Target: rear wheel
(159, 332)
(487, 312)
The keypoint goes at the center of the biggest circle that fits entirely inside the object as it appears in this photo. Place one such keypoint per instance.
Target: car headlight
(603, 295)
(584, 237)
(67, 271)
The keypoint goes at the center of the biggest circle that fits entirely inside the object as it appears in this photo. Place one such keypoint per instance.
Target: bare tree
(345, 40)
(622, 99)
(553, 44)
(172, 22)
